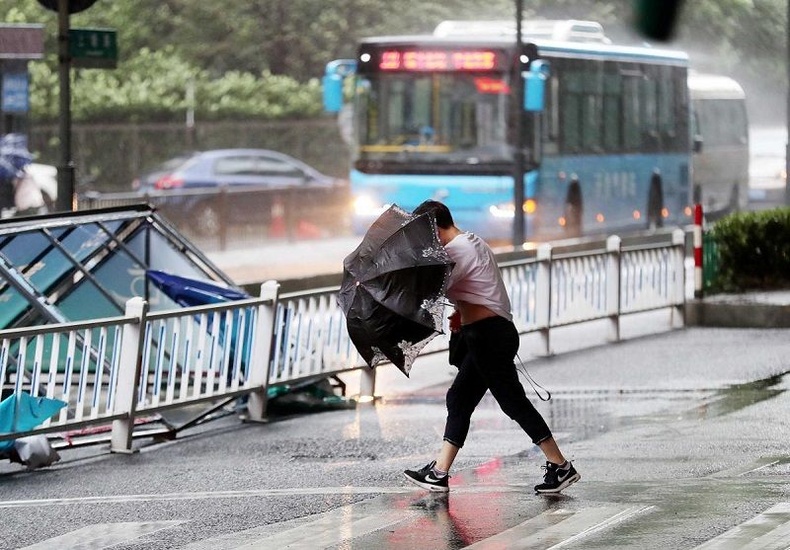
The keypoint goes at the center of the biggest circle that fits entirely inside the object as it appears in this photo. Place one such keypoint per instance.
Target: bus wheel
(655, 203)
(573, 210)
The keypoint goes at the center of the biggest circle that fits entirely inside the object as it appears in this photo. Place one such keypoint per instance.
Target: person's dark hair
(442, 214)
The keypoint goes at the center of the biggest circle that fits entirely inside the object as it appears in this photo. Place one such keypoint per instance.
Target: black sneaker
(556, 479)
(425, 478)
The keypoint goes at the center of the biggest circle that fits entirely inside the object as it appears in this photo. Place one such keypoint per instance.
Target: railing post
(678, 318)
(613, 282)
(698, 256)
(129, 369)
(543, 295)
(261, 358)
(367, 384)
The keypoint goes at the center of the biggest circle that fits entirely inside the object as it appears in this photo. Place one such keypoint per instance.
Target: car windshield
(173, 163)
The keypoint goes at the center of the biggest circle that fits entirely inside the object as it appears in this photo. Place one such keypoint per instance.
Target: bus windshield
(456, 118)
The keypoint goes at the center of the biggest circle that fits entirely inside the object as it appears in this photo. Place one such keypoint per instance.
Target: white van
(720, 132)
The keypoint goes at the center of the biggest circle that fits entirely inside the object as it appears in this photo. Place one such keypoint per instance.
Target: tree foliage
(249, 58)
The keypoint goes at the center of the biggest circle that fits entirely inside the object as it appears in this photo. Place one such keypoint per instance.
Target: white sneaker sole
(564, 485)
(428, 486)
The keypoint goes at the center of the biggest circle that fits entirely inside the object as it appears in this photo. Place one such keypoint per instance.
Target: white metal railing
(113, 369)
(546, 292)
(74, 362)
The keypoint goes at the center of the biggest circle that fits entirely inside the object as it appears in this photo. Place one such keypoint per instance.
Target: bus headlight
(364, 205)
(506, 210)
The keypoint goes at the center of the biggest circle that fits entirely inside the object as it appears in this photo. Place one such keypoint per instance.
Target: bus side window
(650, 129)
(550, 116)
(571, 109)
(666, 104)
(632, 110)
(612, 97)
(592, 109)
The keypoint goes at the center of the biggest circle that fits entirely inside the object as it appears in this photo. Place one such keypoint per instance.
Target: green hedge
(753, 250)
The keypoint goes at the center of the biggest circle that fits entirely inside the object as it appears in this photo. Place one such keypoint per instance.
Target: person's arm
(455, 321)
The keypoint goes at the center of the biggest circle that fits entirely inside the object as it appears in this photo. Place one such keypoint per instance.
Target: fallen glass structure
(68, 268)
(83, 265)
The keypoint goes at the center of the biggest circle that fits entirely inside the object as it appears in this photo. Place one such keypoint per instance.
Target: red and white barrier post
(698, 251)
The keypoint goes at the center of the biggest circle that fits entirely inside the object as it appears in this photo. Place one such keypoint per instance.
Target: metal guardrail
(115, 369)
(547, 292)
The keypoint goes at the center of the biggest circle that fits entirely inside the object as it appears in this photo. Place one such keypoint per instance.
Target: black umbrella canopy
(393, 288)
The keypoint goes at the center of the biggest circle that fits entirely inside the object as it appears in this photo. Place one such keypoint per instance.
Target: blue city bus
(605, 132)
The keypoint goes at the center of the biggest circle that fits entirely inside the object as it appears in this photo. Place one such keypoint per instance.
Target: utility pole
(787, 143)
(66, 166)
(518, 154)
(66, 197)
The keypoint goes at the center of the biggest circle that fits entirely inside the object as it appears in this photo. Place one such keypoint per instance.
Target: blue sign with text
(15, 93)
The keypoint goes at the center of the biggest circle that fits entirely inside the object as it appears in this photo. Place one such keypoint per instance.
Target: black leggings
(489, 346)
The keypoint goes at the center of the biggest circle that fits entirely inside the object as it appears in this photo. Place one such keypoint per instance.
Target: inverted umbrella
(393, 288)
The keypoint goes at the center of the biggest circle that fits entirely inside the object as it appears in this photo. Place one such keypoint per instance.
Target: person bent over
(484, 344)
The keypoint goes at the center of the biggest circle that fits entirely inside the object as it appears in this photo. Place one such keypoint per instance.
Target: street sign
(93, 48)
(15, 93)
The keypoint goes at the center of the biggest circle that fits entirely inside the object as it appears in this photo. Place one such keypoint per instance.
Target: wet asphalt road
(679, 437)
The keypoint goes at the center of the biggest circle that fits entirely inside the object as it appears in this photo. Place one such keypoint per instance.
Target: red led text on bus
(438, 60)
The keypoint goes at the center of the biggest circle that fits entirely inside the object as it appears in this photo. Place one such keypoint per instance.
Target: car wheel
(206, 220)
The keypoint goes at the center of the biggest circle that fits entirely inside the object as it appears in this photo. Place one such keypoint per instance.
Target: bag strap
(532, 382)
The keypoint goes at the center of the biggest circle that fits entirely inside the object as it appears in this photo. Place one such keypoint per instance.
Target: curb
(736, 315)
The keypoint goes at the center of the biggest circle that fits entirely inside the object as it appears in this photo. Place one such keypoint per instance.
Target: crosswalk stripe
(559, 527)
(768, 531)
(322, 531)
(102, 535)
(203, 495)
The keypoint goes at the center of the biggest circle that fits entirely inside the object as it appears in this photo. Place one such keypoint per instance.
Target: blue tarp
(22, 412)
(188, 292)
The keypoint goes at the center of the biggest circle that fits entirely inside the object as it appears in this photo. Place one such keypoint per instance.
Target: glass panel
(632, 134)
(612, 119)
(119, 271)
(12, 304)
(434, 118)
(85, 241)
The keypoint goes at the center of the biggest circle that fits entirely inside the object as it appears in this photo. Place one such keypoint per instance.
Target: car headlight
(506, 210)
(364, 205)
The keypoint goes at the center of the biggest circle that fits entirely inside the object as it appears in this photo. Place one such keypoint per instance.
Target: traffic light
(656, 18)
(75, 6)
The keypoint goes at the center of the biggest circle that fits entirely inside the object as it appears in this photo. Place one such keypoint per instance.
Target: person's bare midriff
(471, 313)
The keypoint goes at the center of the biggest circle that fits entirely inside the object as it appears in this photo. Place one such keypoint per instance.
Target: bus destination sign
(438, 60)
